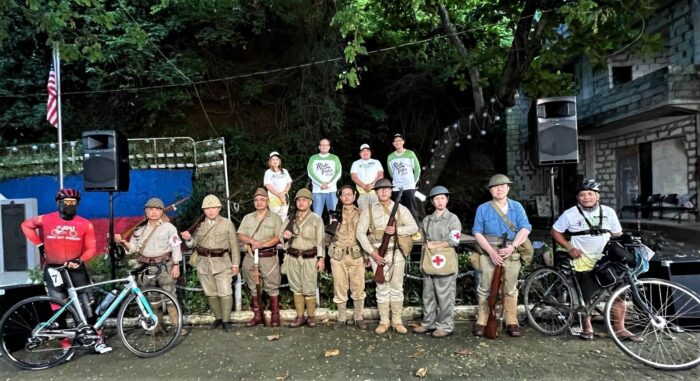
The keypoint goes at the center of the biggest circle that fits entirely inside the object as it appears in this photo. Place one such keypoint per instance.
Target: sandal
(587, 335)
(631, 338)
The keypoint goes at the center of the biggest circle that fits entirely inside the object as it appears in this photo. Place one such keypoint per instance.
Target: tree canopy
(279, 74)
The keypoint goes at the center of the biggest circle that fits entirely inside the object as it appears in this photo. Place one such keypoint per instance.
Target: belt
(214, 253)
(159, 259)
(308, 253)
(267, 252)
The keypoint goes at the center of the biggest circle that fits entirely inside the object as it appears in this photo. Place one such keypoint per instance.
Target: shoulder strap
(259, 224)
(148, 238)
(503, 216)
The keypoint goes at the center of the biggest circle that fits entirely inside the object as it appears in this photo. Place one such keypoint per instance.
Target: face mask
(67, 211)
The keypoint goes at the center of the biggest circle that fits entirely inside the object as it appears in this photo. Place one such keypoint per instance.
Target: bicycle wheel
(44, 349)
(548, 299)
(143, 336)
(666, 319)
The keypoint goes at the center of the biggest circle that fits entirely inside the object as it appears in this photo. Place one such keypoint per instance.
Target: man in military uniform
(218, 258)
(348, 261)
(370, 229)
(157, 245)
(260, 231)
(491, 222)
(305, 257)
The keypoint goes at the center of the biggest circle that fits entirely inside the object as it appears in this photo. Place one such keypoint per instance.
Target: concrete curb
(462, 313)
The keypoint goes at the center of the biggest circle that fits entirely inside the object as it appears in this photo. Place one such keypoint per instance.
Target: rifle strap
(148, 238)
(503, 217)
(255, 231)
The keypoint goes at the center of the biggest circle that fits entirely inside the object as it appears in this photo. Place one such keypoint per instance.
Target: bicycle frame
(74, 300)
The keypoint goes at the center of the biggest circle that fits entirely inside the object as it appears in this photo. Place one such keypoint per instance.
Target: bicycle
(665, 316)
(42, 332)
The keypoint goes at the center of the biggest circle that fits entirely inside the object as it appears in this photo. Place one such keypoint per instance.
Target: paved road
(299, 354)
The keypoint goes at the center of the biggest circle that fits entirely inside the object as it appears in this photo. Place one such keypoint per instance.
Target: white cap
(364, 146)
(275, 153)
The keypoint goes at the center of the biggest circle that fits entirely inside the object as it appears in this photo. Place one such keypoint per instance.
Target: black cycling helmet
(588, 185)
(68, 193)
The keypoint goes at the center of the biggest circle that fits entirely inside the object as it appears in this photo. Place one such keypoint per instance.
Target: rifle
(379, 274)
(196, 224)
(292, 215)
(165, 218)
(492, 328)
(258, 283)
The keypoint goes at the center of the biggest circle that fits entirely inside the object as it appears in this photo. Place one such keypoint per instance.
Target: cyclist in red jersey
(65, 239)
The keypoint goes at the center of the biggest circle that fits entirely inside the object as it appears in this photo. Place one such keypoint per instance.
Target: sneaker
(102, 348)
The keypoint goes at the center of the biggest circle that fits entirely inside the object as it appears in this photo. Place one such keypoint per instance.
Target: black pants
(79, 277)
(408, 200)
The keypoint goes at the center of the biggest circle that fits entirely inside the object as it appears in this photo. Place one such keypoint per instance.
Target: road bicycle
(663, 316)
(42, 332)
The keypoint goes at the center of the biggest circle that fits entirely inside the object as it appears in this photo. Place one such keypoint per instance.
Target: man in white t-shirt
(590, 225)
(364, 173)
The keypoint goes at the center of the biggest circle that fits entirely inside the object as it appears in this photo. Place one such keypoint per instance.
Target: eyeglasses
(69, 201)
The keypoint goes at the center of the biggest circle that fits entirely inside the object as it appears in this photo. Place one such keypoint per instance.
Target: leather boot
(383, 326)
(481, 317)
(275, 311)
(215, 306)
(510, 310)
(359, 306)
(160, 327)
(257, 312)
(396, 322)
(226, 307)
(310, 311)
(342, 316)
(299, 306)
(176, 319)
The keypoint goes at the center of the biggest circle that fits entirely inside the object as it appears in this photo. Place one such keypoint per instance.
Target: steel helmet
(154, 203)
(439, 190)
(499, 179)
(304, 193)
(383, 183)
(588, 185)
(68, 193)
(211, 201)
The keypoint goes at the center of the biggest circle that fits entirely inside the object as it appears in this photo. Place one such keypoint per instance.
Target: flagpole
(57, 70)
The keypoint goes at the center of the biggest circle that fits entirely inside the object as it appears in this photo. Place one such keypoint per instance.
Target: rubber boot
(226, 307)
(275, 311)
(257, 312)
(383, 326)
(176, 319)
(359, 306)
(299, 306)
(396, 322)
(310, 311)
(215, 306)
(510, 312)
(342, 316)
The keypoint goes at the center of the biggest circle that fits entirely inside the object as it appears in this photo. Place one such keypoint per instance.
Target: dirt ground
(300, 354)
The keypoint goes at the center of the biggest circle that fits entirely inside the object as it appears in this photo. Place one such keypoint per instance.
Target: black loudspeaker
(554, 131)
(105, 161)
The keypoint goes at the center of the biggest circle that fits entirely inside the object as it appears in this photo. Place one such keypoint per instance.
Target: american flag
(51, 107)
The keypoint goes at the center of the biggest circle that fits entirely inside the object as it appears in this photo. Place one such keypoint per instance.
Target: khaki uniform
(214, 272)
(270, 227)
(439, 290)
(152, 243)
(301, 272)
(347, 259)
(390, 293)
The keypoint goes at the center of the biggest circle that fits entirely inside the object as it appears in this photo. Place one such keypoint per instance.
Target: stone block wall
(606, 160)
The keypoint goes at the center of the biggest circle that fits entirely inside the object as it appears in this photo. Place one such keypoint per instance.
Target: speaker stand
(112, 245)
(551, 205)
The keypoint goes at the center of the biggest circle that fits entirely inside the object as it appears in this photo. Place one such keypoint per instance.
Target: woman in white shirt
(278, 182)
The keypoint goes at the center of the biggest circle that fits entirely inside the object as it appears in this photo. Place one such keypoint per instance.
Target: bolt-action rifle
(379, 274)
(495, 316)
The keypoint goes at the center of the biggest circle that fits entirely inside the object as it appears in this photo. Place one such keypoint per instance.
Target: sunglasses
(69, 201)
